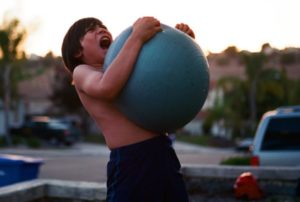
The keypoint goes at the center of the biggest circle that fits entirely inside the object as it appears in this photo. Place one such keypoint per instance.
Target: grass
(94, 138)
(205, 140)
(237, 161)
(31, 142)
(202, 140)
(193, 139)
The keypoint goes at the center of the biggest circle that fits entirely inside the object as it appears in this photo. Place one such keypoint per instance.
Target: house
(222, 66)
(35, 91)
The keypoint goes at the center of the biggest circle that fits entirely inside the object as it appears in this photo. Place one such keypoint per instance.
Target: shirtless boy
(142, 166)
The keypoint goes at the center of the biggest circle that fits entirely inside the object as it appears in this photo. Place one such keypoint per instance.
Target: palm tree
(11, 37)
(254, 63)
(234, 104)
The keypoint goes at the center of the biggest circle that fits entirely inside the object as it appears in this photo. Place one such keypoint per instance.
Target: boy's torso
(116, 128)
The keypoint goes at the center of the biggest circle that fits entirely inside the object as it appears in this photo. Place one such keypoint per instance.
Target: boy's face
(95, 44)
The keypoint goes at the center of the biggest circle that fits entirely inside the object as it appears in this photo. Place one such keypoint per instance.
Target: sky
(246, 24)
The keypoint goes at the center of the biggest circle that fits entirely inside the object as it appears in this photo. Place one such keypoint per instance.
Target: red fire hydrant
(247, 187)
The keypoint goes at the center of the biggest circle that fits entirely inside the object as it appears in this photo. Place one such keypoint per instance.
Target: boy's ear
(78, 54)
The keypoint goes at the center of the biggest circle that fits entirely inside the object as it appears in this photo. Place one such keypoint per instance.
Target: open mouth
(105, 42)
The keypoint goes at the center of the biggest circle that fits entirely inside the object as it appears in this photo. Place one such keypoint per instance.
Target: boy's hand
(186, 29)
(145, 28)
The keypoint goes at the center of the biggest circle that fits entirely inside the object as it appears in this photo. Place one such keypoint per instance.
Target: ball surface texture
(169, 84)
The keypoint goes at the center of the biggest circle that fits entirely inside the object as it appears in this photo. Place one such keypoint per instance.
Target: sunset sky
(218, 24)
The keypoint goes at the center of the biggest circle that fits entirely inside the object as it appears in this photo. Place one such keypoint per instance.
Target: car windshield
(282, 134)
(58, 125)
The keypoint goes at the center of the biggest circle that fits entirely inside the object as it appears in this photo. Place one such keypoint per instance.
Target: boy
(143, 166)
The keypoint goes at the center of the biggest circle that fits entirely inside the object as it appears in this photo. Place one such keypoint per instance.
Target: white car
(277, 138)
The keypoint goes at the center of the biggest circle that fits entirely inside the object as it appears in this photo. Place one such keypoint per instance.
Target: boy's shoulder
(84, 66)
(83, 69)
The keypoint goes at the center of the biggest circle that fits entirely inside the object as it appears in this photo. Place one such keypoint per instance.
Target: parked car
(73, 127)
(245, 144)
(277, 138)
(45, 128)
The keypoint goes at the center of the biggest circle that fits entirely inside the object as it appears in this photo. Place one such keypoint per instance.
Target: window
(282, 134)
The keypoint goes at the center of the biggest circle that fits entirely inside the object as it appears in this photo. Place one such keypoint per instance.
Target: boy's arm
(108, 85)
(121, 68)
(186, 29)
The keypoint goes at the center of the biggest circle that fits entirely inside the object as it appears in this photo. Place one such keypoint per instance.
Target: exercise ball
(169, 84)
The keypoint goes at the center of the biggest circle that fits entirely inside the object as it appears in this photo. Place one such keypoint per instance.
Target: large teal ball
(169, 84)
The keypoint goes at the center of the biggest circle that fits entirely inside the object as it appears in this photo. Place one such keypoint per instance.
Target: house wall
(194, 127)
(16, 117)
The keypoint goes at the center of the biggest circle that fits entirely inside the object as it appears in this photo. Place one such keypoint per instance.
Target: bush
(236, 161)
(16, 140)
(33, 142)
(2, 142)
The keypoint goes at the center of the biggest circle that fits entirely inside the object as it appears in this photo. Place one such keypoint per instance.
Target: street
(87, 162)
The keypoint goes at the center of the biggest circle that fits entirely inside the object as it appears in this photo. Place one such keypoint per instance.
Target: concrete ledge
(211, 180)
(39, 189)
(262, 173)
(26, 191)
(76, 190)
(204, 183)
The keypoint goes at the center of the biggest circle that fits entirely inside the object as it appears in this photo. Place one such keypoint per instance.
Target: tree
(64, 95)
(12, 34)
(245, 100)
(231, 51)
(65, 98)
(234, 105)
(254, 63)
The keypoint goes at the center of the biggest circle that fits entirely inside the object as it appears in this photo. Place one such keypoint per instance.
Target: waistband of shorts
(155, 143)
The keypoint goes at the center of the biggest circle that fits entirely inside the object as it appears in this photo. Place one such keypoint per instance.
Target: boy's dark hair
(71, 44)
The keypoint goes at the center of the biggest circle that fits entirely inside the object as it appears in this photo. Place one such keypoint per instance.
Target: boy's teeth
(105, 42)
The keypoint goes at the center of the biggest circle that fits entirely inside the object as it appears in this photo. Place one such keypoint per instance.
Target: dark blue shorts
(148, 171)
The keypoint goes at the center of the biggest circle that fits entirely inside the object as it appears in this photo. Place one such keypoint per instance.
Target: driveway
(87, 162)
